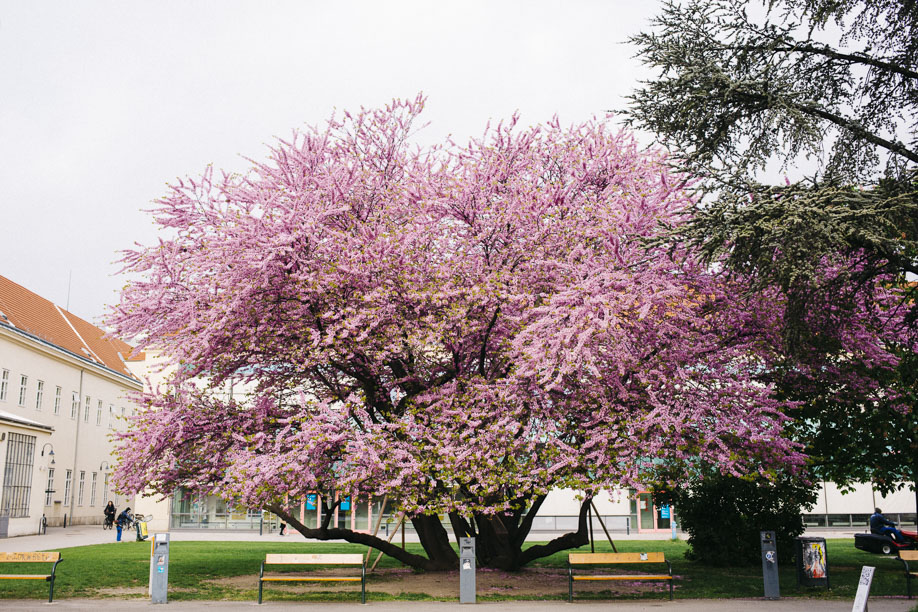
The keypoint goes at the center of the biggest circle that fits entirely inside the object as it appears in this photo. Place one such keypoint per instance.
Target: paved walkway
(685, 605)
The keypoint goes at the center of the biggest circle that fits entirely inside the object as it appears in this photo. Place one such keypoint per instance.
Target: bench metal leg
(51, 589)
(570, 585)
(363, 584)
(261, 574)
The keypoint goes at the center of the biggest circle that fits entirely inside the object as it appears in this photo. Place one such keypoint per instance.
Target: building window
(86, 409)
(81, 488)
(105, 490)
(23, 386)
(57, 400)
(49, 490)
(99, 413)
(111, 416)
(92, 490)
(4, 384)
(74, 405)
(17, 475)
(68, 479)
(39, 394)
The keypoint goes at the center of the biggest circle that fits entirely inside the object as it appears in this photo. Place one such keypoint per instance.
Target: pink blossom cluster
(461, 328)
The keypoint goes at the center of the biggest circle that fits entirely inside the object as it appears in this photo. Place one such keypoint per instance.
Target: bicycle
(109, 522)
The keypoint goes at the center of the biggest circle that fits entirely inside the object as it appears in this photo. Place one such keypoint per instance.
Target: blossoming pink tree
(461, 329)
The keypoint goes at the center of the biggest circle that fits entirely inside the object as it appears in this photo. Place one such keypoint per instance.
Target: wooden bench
(581, 559)
(33, 557)
(345, 560)
(905, 556)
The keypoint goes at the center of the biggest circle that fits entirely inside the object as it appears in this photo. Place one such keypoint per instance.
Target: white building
(63, 390)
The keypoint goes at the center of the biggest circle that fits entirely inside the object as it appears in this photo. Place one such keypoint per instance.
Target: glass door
(645, 512)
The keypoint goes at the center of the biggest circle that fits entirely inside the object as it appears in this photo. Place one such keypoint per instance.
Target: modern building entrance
(648, 517)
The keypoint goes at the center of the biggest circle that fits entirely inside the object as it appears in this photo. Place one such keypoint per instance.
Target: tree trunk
(435, 540)
(500, 538)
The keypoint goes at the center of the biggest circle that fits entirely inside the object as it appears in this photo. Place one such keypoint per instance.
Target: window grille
(17, 475)
(92, 490)
(68, 481)
(81, 488)
(49, 490)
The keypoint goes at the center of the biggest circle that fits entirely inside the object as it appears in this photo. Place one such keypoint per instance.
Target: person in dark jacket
(881, 525)
(109, 513)
(124, 519)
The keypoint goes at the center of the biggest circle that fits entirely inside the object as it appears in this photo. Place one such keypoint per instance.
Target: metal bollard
(467, 570)
(159, 568)
(770, 565)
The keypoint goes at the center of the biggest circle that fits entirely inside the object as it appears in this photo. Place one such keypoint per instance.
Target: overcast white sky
(103, 103)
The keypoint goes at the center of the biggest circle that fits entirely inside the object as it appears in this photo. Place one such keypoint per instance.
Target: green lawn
(121, 570)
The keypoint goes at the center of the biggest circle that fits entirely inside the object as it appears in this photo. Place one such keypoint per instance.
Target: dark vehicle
(884, 545)
(109, 522)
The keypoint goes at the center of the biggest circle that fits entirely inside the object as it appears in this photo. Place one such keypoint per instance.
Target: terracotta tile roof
(29, 312)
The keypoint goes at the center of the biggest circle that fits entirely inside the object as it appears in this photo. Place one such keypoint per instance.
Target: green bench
(33, 557)
(905, 556)
(347, 560)
(579, 560)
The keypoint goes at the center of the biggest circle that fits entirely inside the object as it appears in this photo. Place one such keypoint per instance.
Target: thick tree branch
(824, 51)
(569, 540)
(843, 122)
(526, 524)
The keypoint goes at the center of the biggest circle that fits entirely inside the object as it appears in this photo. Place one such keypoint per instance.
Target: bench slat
(636, 577)
(909, 555)
(589, 558)
(24, 577)
(316, 579)
(30, 557)
(342, 559)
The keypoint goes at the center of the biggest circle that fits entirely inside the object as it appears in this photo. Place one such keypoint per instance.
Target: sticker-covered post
(863, 589)
(770, 565)
(159, 568)
(466, 570)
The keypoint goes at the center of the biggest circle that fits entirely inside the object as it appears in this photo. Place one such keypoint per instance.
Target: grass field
(121, 570)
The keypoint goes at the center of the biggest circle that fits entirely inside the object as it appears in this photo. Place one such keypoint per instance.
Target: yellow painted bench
(343, 560)
(592, 559)
(33, 557)
(905, 556)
